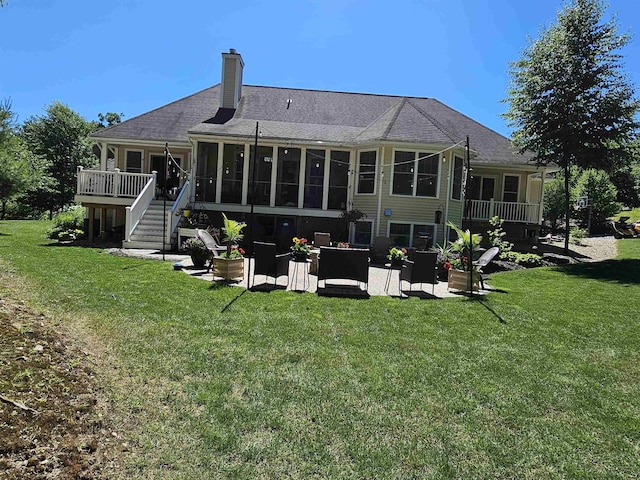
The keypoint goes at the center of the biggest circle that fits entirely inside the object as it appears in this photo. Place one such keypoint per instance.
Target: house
(290, 161)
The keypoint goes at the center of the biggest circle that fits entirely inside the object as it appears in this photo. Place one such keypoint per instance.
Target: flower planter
(228, 268)
(396, 263)
(199, 259)
(300, 257)
(459, 280)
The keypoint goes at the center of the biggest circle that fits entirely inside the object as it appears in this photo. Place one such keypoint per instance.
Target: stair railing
(173, 217)
(134, 213)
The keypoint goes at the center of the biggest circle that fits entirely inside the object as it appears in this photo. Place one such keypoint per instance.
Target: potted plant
(462, 273)
(445, 254)
(230, 263)
(186, 211)
(300, 248)
(197, 250)
(396, 256)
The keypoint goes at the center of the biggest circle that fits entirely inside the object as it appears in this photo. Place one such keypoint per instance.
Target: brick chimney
(231, 83)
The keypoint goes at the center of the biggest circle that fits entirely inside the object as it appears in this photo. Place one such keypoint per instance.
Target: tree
(14, 168)
(626, 177)
(596, 185)
(110, 118)
(60, 138)
(569, 101)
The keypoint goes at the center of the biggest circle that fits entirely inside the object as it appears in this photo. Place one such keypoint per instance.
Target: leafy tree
(569, 101)
(14, 166)
(60, 138)
(110, 118)
(553, 210)
(626, 177)
(596, 185)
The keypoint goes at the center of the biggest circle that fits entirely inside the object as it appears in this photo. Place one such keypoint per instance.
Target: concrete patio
(378, 276)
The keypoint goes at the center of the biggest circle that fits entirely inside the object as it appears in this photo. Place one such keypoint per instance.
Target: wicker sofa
(343, 264)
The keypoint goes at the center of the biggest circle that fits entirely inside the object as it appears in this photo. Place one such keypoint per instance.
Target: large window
(207, 171)
(134, 161)
(510, 191)
(456, 190)
(367, 172)
(416, 235)
(314, 178)
(482, 188)
(338, 180)
(232, 167)
(262, 187)
(403, 169)
(415, 174)
(287, 183)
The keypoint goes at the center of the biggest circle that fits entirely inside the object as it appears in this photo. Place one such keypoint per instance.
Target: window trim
(453, 178)
(416, 153)
(495, 183)
(504, 181)
(126, 159)
(375, 172)
(412, 225)
(370, 221)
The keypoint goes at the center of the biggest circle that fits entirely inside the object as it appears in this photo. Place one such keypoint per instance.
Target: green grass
(633, 214)
(540, 379)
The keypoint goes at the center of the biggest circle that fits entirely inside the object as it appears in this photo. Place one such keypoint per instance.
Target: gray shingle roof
(295, 115)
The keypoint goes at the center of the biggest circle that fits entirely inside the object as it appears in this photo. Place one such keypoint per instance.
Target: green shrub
(70, 221)
(528, 260)
(524, 259)
(576, 235)
(496, 236)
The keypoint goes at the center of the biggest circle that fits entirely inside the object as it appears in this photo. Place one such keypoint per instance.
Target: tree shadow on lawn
(622, 271)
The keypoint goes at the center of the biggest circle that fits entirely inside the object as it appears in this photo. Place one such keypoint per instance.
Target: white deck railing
(508, 211)
(112, 183)
(134, 213)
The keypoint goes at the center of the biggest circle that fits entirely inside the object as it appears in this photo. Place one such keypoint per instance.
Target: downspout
(380, 192)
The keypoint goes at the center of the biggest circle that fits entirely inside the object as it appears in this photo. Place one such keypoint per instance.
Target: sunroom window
(232, 168)
(338, 180)
(288, 181)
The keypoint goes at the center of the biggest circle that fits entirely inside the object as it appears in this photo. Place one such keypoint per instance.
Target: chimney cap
(232, 50)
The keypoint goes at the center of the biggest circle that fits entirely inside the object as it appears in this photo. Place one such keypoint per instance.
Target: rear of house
(291, 161)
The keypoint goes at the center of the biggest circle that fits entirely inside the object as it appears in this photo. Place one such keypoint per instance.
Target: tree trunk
(566, 207)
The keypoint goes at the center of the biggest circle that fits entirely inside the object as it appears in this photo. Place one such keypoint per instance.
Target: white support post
(116, 182)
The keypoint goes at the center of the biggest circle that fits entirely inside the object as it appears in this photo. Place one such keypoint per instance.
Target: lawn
(539, 379)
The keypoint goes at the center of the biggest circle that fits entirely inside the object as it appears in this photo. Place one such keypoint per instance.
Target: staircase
(148, 232)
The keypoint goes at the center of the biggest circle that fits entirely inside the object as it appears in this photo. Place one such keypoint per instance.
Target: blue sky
(133, 56)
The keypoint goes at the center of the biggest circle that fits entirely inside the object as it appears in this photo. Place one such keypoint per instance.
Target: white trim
(352, 232)
(326, 174)
(412, 225)
(274, 176)
(144, 143)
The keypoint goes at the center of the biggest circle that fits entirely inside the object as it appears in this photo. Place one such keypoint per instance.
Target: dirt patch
(53, 419)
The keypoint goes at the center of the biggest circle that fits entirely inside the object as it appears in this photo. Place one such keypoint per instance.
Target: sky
(133, 56)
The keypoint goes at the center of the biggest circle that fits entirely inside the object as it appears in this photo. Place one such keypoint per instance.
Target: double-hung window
(367, 164)
(415, 174)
